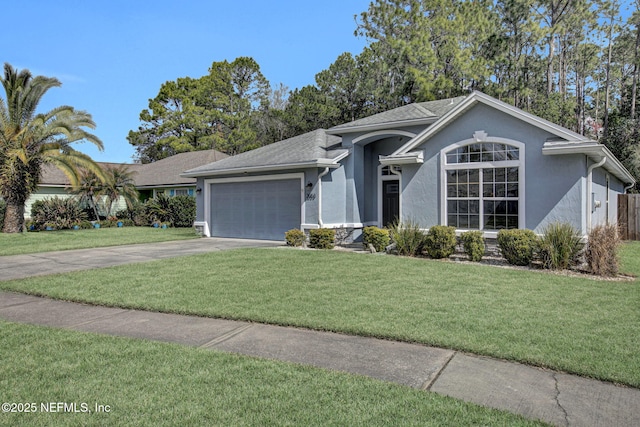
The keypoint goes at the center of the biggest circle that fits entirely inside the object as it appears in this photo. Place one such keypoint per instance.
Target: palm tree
(88, 191)
(28, 140)
(119, 183)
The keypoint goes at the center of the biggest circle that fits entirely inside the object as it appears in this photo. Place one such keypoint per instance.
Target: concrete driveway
(38, 264)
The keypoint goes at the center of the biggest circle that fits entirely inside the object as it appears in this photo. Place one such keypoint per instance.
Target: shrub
(159, 209)
(178, 211)
(85, 224)
(473, 243)
(377, 237)
(295, 237)
(517, 246)
(58, 213)
(408, 238)
(183, 211)
(440, 241)
(602, 250)
(139, 215)
(322, 238)
(560, 246)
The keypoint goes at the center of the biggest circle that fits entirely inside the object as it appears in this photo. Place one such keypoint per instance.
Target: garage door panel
(255, 209)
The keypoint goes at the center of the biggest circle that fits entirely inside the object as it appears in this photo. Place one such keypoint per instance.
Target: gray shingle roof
(302, 149)
(164, 172)
(51, 175)
(400, 115)
(167, 171)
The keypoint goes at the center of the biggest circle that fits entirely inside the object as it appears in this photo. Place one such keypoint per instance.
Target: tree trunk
(13, 218)
(550, 65)
(607, 88)
(635, 73)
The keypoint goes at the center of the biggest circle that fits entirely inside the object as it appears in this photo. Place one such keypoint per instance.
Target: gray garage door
(256, 209)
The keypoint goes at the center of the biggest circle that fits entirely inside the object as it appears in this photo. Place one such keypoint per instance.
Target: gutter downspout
(323, 173)
(628, 187)
(589, 190)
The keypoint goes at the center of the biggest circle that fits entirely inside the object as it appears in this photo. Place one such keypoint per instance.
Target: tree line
(573, 62)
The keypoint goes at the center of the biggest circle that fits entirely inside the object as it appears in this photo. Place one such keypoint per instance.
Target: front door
(390, 202)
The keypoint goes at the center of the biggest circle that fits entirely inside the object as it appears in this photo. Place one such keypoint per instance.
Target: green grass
(47, 241)
(150, 384)
(578, 325)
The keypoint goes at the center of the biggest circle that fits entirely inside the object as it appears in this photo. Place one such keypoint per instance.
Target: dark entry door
(390, 202)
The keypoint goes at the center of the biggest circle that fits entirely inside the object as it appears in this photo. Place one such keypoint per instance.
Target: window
(386, 171)
(180, 192)
(482, 185)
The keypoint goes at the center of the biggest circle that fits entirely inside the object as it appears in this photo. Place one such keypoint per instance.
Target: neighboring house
(150, 179)
(471, 162)
(163, 176)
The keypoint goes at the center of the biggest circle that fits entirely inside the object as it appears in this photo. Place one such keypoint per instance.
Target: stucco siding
(421, 193)
(372, 152)
(554, 190)
(607, 196)
(334, 185)
(552, 184)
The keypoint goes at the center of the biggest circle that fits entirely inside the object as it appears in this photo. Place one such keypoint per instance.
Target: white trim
(43, 186)
(345, 225)
(380, 126)
(319, 191)
(396, 176)
(318, 163)
(205, 227)
(411, 158)
(608, 201)
(276, 177)
(591, 207)
(390, 132)
(520, 163)
(159, 186)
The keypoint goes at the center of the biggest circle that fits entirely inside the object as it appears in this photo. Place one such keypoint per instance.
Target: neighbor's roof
(162, 173)
(54, 177)
(167, 171)
(312, 149)
(407, 115)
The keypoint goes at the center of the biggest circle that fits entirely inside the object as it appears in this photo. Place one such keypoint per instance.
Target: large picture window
(482, 186)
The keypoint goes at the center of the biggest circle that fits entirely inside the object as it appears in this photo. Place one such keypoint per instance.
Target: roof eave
(152, 186)
(318, 163)
(380, 126)
(595, 151)
(478, 97)
(404, 159)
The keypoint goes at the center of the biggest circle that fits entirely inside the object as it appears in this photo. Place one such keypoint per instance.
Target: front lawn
(573, 324)
(146, 383)
(47, 241)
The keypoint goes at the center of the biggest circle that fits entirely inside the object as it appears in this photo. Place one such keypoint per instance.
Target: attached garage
(255, 208)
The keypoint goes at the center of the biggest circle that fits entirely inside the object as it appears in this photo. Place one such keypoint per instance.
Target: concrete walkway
(557, 398)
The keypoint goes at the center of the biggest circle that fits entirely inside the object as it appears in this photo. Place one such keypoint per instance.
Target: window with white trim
(482, 185)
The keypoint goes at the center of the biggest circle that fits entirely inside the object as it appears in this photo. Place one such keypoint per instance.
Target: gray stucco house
(471, 162)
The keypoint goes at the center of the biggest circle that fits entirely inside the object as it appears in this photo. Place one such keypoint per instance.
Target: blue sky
(112, 55)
